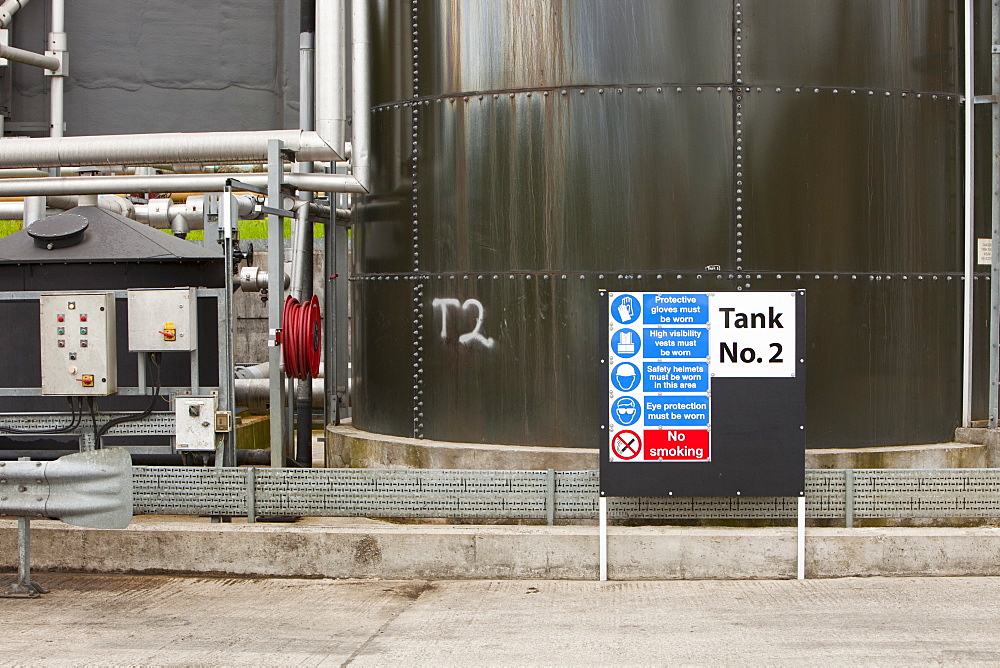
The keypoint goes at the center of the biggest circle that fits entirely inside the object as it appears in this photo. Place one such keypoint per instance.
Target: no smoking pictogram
(626, 445)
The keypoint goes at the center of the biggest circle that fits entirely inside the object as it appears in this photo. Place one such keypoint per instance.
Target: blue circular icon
(625, 376)
(625, 343)
(626, 309)
(625, 411)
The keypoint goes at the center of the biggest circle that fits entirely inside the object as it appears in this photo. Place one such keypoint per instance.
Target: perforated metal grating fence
(552, 495)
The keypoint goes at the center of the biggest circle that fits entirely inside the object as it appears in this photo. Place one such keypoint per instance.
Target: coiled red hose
(301, 338)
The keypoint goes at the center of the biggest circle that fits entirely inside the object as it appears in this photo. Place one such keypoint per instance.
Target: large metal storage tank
(528, 153)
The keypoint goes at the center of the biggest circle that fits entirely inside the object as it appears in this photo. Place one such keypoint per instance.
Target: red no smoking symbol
(626, 444)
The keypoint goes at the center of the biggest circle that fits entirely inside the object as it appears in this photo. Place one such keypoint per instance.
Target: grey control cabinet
(78, 344)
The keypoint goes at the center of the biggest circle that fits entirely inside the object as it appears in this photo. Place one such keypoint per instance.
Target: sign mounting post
(703, 395)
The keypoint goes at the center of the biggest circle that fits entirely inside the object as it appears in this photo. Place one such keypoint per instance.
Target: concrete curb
(502, 552)
(350, 447)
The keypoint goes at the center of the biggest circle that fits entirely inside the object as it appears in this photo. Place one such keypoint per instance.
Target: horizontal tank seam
(666, 87)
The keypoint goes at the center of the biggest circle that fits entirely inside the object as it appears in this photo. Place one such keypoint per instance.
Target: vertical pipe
(275, 302)
(360, 90)
(302, 289)
(970, 131)
(57, 42)
(995, 260)
(225, 310)
(330, 323)
(34, 209)
(302, 248)
(330, 73)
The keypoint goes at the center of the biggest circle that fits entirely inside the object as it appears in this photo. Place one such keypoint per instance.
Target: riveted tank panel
(528, 154)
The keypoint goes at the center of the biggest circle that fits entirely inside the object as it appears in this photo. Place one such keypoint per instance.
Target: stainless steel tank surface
(527, 153)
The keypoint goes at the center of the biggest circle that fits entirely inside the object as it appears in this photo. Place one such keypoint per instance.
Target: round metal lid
(58, 231)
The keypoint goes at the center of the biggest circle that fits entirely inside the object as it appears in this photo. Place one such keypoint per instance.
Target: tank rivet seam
(418, 286)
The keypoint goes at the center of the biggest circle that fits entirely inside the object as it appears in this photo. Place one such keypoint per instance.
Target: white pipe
(97, 185)
(29, 58)
(7, 10)
(166, 148)
(57, 46)
(67, 171)
(11, 210)
(56, 108)
(34, 209)
(970, 134)
(331, 119)
(361, 75)
(302, 229)
(58, 21)
(112, 203)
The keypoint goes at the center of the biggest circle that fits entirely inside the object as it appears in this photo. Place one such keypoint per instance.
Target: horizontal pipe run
(99, 185)
(244, 457)
(165, 148)
(29, 58)
(11, 210)
(254, 394)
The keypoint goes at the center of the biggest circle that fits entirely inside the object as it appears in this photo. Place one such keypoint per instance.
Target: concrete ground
(161, 620)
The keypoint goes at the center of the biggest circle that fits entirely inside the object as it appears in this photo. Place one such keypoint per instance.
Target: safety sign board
(668, 355)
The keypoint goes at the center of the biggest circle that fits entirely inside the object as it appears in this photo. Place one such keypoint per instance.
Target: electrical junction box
(194, 419)
(162, 320)
(78, 344)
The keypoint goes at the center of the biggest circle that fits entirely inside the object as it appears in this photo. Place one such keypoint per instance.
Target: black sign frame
(758, 435)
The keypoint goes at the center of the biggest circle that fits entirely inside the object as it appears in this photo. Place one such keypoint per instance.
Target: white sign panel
(752, 334)
(985, 248)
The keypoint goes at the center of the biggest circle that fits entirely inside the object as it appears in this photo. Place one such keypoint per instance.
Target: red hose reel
(301, 338)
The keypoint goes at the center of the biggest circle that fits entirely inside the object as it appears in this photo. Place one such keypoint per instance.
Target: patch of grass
(9, 227)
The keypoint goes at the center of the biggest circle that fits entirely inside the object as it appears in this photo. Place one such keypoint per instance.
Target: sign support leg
(801, 540)
(602, 506)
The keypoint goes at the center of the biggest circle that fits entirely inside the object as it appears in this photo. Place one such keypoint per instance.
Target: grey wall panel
(145, 66)
(851, 182)
(895, 44)
(609, 178)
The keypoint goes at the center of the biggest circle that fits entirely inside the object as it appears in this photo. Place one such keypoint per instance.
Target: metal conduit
(29, 58)
(164, 148)
(331, 119)
(99, 185)
(361, 75)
